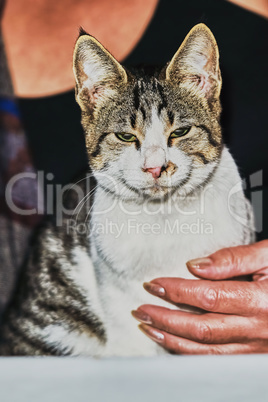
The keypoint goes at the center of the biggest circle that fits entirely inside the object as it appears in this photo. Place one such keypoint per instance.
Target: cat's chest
(153, 244)
(134, 241)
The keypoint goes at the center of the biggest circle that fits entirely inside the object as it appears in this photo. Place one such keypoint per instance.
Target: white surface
(170, 378)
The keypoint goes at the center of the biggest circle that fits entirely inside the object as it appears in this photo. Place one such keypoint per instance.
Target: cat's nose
(155, 172)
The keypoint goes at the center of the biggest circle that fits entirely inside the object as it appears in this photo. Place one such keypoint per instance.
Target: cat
(166, 190)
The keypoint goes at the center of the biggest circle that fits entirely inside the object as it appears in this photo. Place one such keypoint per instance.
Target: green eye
(126, 137)
(180, 132)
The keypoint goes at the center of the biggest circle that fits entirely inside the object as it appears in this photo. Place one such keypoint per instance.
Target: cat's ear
(196, 63)
(97, 73)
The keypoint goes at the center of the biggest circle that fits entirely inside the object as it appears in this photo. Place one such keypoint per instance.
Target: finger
(228, 297)
(183, 346)
(206, 328)
(231, 262)
(260, 275)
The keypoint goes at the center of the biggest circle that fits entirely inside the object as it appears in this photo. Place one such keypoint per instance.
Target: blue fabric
(9, 106)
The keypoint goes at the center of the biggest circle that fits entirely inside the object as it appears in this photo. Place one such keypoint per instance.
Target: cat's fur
(78, 289)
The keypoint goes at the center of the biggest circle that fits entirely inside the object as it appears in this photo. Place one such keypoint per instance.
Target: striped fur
(78, 288)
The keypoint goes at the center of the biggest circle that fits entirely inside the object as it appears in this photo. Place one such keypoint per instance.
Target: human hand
(235, 318)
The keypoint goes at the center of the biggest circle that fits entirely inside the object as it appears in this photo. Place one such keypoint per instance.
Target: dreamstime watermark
(51, 198)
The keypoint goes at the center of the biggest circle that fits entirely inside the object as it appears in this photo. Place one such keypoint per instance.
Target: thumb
(231, 262)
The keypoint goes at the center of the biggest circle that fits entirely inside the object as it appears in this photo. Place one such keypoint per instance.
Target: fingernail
(259, 277)
(141, 316)
(154, 289)
(199, 263)
(152, 333)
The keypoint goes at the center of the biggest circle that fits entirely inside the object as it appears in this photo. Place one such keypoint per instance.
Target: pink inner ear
(94, 94)
(204, 83)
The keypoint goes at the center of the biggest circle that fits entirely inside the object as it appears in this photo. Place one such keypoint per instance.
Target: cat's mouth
(157, 187)
(157, 191)
(154, 192)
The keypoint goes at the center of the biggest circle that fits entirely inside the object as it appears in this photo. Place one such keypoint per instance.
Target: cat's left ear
(97, 73)
(196, 63)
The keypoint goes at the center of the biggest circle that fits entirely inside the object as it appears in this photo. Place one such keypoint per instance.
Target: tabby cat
(167, 190)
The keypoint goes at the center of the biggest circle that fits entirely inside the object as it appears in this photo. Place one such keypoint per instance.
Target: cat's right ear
(196, 64)
(97, 73)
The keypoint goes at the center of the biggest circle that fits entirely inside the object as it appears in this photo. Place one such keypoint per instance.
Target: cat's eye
(180, 132)
(126, 137)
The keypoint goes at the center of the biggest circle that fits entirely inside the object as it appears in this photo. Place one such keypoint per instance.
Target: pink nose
(156, 171)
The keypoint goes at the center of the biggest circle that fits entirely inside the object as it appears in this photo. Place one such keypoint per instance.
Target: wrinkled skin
(235, 319)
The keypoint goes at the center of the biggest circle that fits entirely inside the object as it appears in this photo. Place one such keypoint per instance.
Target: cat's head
(148, 136)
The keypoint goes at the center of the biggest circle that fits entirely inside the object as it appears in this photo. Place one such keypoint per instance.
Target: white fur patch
(84, 276)
(62, 337)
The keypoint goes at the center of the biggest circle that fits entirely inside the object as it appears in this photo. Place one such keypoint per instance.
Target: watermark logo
(134, 227)
(51, 198)
(252, 186)
(256, 197)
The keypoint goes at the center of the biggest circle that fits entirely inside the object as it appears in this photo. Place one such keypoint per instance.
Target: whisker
(88, 214)
(85, 199)
(79, 181)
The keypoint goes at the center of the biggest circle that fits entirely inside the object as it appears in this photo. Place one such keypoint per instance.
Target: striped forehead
(147, 93)
(150, 108)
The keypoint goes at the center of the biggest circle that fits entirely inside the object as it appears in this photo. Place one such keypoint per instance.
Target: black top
(53, 123)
